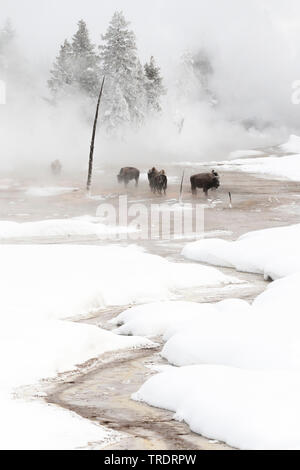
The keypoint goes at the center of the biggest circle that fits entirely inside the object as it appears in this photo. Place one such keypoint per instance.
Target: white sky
(162, 26)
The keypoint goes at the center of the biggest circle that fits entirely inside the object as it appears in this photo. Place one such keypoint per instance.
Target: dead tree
(91, 158)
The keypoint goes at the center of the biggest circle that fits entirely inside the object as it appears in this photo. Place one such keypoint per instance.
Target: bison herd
(158, 180)
(205, 181)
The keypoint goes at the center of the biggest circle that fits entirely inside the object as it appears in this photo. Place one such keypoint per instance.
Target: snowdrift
(231, 332)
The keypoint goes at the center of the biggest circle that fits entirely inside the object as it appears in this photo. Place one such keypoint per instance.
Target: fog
(253, 47)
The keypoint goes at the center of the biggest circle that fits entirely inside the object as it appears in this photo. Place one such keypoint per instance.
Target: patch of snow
(244, 153)
(292, 145)
(39, 286)
(255, 252)
(54, 228)
(246, 409)
(231, 332)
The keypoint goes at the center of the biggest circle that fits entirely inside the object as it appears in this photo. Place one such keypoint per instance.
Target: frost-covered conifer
(116, 113)
(62, 74)
(195, 75)
(85, 61)
(7, 36)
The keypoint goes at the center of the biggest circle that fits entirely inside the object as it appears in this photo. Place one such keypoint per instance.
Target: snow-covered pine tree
(85, 61)
(116, 113)
(154, 86)
(62, 73)
(139, 110)
(7, 34)
(122, 69)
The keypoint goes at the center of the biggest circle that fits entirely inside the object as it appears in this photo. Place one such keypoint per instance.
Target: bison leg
(137, 181)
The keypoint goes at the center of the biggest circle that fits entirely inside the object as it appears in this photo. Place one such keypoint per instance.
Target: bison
(158, 180)
(205, 181)
(127, 174)
(56, 167)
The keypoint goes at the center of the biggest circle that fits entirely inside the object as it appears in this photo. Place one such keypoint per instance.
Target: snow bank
(29, 352)
(272, 252)
(246, 409)
(59, 228)
(61, 281)
(239, 364)
(230, 332)
(280, 167)
(32, 350)
(37, 426)
(41, 285)
(292, 145)
(156, 318)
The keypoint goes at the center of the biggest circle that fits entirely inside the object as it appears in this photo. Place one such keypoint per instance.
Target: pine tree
(7, 36)
(77, 66)
(62, 74)
(85, 61)
(154, 86)
(194, 82)
(121, 66)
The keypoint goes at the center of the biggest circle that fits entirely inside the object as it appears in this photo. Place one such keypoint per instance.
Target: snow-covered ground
(48, 191)
(238, 364)
(247, 409)
(85, 226)
(231, 332)
(272, 252)
(292, 145)
(276, 166)
(41, 286)
(245, 153)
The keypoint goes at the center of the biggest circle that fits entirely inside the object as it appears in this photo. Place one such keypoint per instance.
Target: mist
(253, 48)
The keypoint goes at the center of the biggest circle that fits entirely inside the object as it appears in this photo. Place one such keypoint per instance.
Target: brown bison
(127, 174)
(56, 167)
(158, 180)
(205, 181)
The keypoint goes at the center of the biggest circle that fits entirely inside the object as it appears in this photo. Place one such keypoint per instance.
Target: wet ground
(102, 389)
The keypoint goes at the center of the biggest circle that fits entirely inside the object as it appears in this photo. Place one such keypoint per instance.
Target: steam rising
(252, 48)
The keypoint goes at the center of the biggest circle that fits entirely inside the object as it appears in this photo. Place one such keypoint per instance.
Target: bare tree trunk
(91, 158)
(181, 188)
